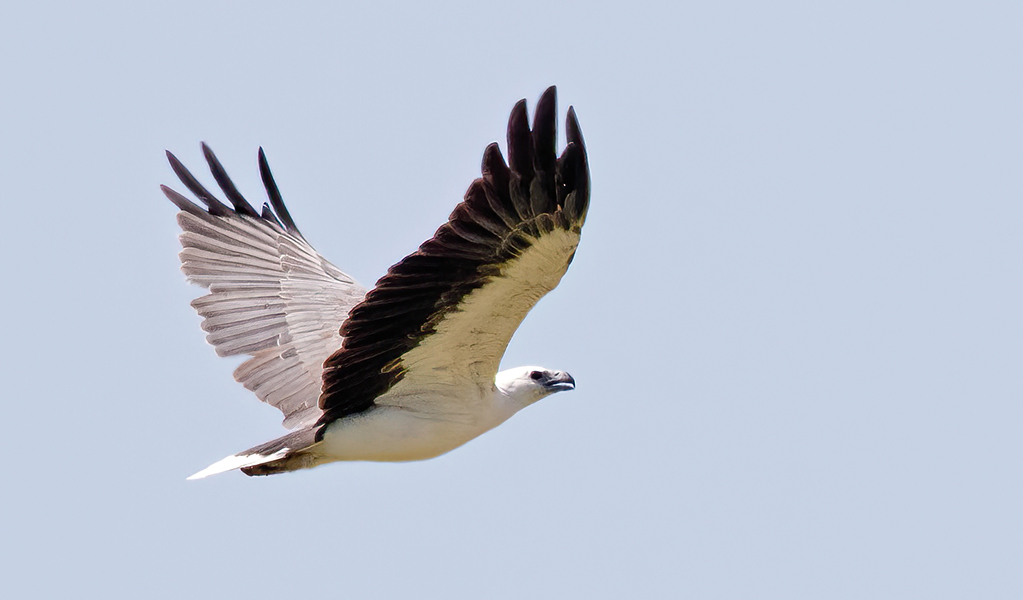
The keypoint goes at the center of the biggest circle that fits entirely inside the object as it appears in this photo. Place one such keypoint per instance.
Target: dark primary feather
(241, 205)
(544, 153)
(215, 207)
(574, 176)
(502, 212)
(274, 194)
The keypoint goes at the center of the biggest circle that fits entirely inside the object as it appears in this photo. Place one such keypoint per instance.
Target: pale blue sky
(794, 319)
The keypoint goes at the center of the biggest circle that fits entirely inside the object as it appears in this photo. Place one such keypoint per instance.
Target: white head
(526, 385)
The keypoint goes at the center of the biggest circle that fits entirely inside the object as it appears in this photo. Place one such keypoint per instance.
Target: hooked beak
(562, 382)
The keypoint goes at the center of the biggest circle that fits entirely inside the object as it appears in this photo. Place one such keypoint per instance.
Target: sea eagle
(407, 370)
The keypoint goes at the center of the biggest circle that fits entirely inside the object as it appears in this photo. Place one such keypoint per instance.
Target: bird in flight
(409, 369)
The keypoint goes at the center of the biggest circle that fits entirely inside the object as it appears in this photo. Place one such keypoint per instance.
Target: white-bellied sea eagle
(408, 370)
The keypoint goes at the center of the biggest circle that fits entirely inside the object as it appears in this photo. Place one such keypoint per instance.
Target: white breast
(396, 431)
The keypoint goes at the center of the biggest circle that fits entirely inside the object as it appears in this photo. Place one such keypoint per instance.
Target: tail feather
(238, 461)
(284, 454)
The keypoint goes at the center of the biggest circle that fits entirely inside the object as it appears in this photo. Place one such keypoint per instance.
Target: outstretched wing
(443, 316)
(272, 296)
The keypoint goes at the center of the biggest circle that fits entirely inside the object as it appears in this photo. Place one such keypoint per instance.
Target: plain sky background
(794, 318)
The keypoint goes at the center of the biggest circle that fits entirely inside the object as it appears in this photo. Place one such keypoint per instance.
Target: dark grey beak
(562, 382)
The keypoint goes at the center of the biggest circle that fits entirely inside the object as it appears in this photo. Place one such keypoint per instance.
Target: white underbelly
(385, 433)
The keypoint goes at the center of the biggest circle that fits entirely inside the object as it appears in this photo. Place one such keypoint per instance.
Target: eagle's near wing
(443, 316)
(272, 296)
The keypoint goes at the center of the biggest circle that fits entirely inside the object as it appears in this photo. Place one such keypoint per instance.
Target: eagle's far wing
(272, 296)
(444, 315)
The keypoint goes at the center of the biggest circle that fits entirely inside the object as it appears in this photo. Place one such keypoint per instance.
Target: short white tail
(237, 461)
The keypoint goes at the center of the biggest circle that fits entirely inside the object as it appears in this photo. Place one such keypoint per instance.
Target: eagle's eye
(535, 375)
